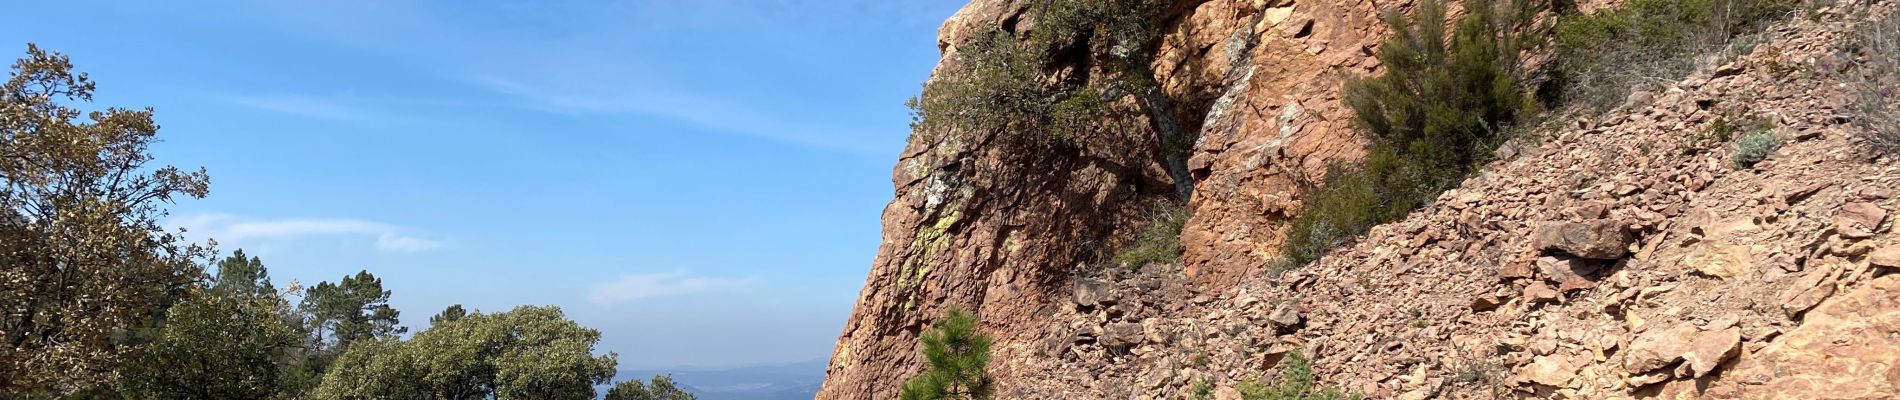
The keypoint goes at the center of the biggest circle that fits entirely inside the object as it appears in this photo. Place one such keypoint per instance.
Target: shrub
(1295, 382)
(1203, 390)
(1053, 88)
(955, 356)
(661, 387)
(1753, 147)
(1438, 108)
(996, 87)
(1159, 242)
(1600, 56)
(1721, 131)
(1873, 80)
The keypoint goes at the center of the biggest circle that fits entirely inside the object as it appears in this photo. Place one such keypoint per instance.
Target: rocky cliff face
(1610, 256)
(1255, 77)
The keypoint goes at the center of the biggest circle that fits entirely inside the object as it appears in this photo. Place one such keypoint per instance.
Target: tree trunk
(1174, 145)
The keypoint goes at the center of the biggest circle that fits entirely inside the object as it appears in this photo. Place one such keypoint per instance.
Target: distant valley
(798, 380)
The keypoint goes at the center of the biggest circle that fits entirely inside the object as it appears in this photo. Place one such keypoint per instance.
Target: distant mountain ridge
(799, 380)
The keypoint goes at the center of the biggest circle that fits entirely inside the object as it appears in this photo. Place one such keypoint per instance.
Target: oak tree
(84, 265)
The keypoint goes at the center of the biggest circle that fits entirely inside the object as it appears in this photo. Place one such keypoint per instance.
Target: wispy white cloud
(393, 243)
(226, 228)
(710, 113)
(583, 59)
(632, 287)
(316, 107)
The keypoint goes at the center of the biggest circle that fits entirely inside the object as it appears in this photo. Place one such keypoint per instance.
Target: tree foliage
(659, 388)
(98, 301)
(955, 355)
(219, 344)
(243, 277)
(1602, 55)
(353, 309)
(528, 353)
(450, 314)
(1439, 107)
(83, 261)
(1055, 87)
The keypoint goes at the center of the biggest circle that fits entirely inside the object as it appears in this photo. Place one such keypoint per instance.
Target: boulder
(1123, 335)
(1285, 318)
(1600, 239)
(1091, 292)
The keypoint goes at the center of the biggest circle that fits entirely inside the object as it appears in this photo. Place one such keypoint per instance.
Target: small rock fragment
(1886, 256)
(1538, 292)
(1554, 371)
(1659, 348)
(1723, 261)
(1808, 291)
(1564, 269)
(1858, 220)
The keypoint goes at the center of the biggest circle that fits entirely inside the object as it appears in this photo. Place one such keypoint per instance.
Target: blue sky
(701, 180)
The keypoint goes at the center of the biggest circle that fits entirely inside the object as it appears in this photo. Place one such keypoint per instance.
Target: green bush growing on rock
(1296, 382)
(1160, 242)
(1441, 105)
(1600, 56)
(1753, 147)
(1203, 390)
(955, 356)
(1055, 87)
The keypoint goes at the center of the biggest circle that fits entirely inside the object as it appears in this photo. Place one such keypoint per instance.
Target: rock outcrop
(1258, 79)
(1610, 256)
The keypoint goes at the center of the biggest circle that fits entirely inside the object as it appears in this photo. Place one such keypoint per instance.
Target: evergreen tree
(356, 308)
(955, 355)
(448, 315)
(243, 277)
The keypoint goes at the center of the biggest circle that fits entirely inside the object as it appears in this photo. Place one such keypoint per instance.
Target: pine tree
(356, 308)
(451, 314)
(242, 276)
(956, 355)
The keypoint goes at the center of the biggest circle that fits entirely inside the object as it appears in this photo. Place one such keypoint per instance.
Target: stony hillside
(1608, 256)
